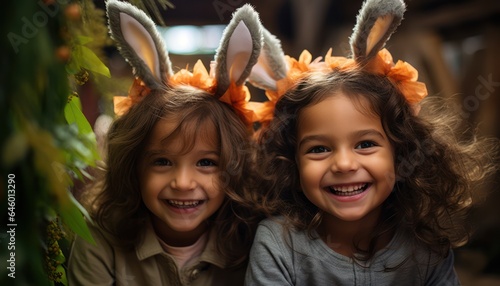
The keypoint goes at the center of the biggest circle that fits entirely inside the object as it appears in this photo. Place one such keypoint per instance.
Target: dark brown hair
(118, 207)
(437, 173)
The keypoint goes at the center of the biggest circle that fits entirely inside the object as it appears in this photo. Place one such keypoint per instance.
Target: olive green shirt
(147, 264)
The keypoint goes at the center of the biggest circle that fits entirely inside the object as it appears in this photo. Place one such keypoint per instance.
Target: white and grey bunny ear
(376, 22)
(139, 43)
(271, 65)
(239, 49)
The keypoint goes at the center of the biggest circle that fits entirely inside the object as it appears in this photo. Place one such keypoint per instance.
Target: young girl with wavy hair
(370, 186)
(175, 206)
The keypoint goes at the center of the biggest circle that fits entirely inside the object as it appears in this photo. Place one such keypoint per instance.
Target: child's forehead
(186, 130)
(359, 100)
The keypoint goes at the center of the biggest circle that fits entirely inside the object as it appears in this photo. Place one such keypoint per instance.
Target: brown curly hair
(118, 208)
(437, 172)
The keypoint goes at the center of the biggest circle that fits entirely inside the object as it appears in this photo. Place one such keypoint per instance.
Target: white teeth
(348, 189)
(184, 203)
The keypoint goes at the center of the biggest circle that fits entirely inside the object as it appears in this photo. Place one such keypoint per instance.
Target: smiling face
(345, 160)
(180, 185)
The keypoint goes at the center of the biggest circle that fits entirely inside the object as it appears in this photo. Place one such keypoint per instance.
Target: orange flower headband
(236, 96)
(139, 41)
(403, 75)
(376, 22)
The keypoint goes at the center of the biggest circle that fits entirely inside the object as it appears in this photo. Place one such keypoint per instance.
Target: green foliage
(84, 58)
(46, 142)
(78, 139)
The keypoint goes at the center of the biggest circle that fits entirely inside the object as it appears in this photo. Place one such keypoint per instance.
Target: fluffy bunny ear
(376, 22)
(239, 49)
(271, 65)
(139, 43)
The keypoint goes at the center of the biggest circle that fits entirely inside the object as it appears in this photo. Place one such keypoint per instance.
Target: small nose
(344, 161)
(183, 179)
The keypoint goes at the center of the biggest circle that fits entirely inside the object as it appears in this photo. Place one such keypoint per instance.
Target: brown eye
(162, 162)
(206, 163)
(318, 149)
(365, 144)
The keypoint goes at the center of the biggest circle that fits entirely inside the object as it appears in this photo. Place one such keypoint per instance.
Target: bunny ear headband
(141, 45)
(376, 22)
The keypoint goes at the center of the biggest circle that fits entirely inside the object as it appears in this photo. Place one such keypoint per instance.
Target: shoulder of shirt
(98, 234)
(273, 222)
(279, 226)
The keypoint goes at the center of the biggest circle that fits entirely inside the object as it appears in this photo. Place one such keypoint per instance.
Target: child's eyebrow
(368, 132)
(208, 152)
(311, 138)
(356, 134)
(152, 152)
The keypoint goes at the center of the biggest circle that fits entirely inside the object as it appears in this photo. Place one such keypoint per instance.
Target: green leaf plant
(46, 142)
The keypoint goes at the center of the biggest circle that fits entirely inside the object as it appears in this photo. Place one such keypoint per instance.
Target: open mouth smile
(348, 190)
(185, 204)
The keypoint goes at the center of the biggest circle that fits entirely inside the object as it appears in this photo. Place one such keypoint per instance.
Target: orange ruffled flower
(297, 70)
(403, 75)
(340, 63)
(199, 78)
(135, 94)
(239, 98)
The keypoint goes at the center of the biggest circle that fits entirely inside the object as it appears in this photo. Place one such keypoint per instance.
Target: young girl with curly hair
(371, 187)
(175, 206)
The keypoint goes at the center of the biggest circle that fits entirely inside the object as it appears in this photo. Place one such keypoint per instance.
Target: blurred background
(453, 44)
